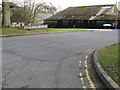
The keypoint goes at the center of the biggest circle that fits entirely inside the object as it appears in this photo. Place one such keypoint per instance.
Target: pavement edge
(13, 35)
(109, 83)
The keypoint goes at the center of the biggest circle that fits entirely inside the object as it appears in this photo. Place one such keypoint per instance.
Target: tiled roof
(94, 12)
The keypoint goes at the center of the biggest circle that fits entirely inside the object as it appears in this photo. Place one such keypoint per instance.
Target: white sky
(67, 3)
(62, 4)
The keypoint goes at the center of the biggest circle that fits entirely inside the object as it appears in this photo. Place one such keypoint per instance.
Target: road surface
(60, 60)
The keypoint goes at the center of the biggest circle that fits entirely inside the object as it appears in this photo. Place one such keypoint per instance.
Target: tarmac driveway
(51, 60)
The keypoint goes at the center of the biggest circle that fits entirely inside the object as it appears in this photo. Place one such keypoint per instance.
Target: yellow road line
(86, 57)
(80, 74)
(82, 80)
(84, 87)
(85, 63)
(80, 63)
(88, 77)
(90, 52)
(81, 77)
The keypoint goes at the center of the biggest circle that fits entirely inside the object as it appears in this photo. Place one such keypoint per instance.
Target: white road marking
(99, 29)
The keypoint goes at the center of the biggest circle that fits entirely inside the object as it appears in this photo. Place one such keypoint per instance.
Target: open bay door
(107, 25)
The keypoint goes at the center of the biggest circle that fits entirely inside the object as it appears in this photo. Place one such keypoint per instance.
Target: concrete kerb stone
(110, 84)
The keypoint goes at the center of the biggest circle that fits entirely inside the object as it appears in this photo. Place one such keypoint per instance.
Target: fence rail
(36, 27)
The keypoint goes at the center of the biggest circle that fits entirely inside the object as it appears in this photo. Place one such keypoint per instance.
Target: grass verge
(14, 31)
(108, 58)
(65, 29)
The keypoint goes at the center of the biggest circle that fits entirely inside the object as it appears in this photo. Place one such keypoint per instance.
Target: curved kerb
(103, 75)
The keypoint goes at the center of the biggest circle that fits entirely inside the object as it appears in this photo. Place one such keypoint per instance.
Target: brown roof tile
(83, 13)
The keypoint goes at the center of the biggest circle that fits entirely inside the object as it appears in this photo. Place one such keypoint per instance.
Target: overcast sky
(67, 3)
(62, 4)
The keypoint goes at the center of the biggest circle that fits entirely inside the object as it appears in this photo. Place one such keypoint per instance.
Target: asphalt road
(52, 60)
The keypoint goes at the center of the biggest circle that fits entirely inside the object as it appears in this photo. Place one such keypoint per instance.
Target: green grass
(13, 31)
(65, 29)
(9, 31)
(108, 58)
(115, 29)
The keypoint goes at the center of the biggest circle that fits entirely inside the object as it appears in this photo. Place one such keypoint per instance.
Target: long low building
(95, 16)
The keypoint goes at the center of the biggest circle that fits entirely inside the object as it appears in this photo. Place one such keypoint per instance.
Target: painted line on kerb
(87, 75)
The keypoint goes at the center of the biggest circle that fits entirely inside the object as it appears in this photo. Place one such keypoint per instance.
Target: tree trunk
(6, 14)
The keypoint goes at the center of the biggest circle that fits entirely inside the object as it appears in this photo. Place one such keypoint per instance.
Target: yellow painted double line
(86, 72)
(81, 76)
(82, 80)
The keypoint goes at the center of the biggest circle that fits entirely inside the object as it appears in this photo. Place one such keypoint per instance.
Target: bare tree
(30, 9)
